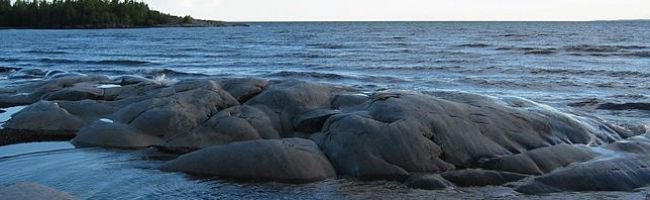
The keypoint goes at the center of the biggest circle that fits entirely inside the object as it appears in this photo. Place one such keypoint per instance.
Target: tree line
(80, 14)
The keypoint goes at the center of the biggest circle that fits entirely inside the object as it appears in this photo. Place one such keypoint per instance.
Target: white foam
(5, 116)
(105, 86)
(106, 120)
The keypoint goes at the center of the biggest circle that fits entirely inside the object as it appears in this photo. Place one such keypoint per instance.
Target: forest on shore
(83, 14)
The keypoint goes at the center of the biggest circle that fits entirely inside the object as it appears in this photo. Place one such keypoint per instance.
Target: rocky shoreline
(296, 132)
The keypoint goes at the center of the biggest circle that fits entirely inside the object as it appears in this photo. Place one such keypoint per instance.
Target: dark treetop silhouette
(89, 14)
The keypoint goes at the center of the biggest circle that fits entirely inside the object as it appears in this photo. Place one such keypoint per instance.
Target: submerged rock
(31, 191)
(480, 177)
(617, 174)
(427, 182)
(541, 160)
(291, 160)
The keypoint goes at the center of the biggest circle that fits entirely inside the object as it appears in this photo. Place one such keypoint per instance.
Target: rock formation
(297, 131)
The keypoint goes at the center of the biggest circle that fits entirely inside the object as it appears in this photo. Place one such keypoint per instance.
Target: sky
(406, 10)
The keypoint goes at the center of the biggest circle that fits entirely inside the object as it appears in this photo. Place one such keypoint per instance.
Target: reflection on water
(96, 173)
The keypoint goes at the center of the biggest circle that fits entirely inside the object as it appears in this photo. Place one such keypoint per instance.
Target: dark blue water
(550, 62)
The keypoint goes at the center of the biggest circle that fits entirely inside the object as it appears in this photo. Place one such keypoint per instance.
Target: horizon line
(326, 21)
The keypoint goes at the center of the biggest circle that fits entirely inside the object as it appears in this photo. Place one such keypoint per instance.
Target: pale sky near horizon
(430, 10)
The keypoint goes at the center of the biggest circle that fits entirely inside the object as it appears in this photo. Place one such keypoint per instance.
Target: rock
(541, 160)
(312, 121)
(44, 116)
(363, 147)
(284, 101)
(77, 92)
(291, 160)
(343, 101)
(31, 191)
(191, 104)
(89, 110)
(106, 133)
(52, 85)
(27, 73)
(638, 145)
(10, 100)
(427, 182)
(233, 124)
(624, 173)
(480, 177)
(243, 89)
(132, 80)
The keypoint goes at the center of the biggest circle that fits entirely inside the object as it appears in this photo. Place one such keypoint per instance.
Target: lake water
(550, 62)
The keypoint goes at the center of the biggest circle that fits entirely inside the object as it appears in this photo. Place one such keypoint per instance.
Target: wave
(152, 73)
(303, 55)
(307, 74)
(4, 69)
(95, 62)
(530, 50)
(122, 62)
(45, 52)
(640, 54)
(327, 46)
(588, 72)
(601, 48)
(474, 45)
(9, 59)
(624, 106)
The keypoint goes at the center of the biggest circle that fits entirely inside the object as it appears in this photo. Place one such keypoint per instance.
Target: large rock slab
(44, 116)
(243, 89)
(31, 191)
(106, 133)
(363, 147)
(233, 124)
(480, 177)
(624, 173)
(285, 101)
(287, 160)
(541, 160)
(427, 182)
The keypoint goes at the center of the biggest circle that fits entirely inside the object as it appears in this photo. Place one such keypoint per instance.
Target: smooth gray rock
(243, 89)
(541, 160)
(105, 133)
(191, 104)
(284, 101)
(363, 147)
(77, 92)
(624, 173)
(312, 121)
(233, 124)
(427, 182)
(31, 191)
(480, 177)
(291, 160)
(44, 116)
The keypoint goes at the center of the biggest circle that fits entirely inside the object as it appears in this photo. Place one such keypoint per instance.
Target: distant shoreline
(222, 24)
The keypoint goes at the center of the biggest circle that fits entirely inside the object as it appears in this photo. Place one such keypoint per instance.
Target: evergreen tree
(80, 13)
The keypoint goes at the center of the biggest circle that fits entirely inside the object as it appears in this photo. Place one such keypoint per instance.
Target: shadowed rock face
(291, 160)
(427, 182)
(247, 128)
(618, 174)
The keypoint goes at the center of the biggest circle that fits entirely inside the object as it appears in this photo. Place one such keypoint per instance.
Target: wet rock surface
(297, 131)
(290, 160)
(31, 191)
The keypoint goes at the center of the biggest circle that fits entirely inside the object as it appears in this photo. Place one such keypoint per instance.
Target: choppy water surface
(553, 63)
